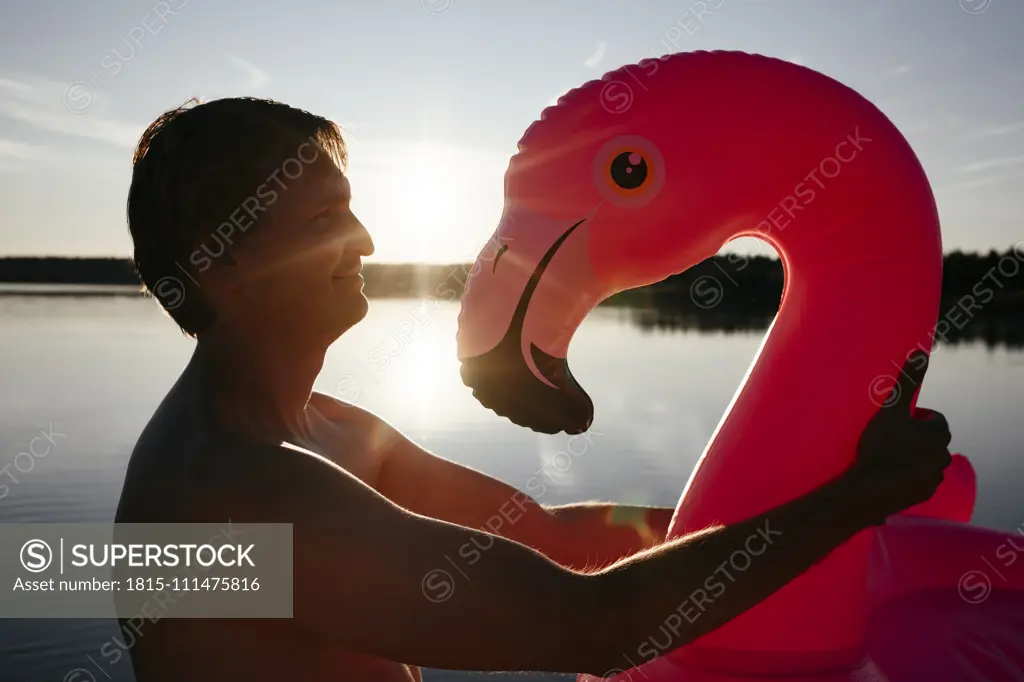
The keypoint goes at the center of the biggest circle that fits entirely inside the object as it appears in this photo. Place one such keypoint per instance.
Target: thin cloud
(901, 70)
(23, 89)
(22, 151)
(45, 105)
(995, 130)
(987, 164)
(595, 59)
(971, 184)
(257, 76)
(18, 156)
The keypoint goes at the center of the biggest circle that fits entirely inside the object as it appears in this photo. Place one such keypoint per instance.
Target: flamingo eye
(629, 170)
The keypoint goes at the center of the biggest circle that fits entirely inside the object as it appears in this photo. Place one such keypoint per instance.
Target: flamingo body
(656, 167)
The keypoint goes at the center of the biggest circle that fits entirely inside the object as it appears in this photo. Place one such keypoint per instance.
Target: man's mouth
(350, 273)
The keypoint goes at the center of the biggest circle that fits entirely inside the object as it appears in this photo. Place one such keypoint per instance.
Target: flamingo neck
(853, 308)
(857, 301)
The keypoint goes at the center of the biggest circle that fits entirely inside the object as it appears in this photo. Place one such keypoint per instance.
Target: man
(239, 212)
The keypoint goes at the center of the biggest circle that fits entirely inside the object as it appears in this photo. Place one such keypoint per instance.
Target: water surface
(93, 369)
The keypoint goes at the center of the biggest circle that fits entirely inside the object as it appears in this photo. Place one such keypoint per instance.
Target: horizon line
(1011, 247)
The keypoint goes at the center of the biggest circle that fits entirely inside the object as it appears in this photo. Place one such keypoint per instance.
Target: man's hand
(900, 456)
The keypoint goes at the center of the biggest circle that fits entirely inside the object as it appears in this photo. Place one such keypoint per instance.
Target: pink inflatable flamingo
(650, 171)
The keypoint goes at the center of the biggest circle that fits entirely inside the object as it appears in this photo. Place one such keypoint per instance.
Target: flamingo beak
(519, 312)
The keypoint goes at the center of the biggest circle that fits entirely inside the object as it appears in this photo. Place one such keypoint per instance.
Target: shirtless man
(249, 198)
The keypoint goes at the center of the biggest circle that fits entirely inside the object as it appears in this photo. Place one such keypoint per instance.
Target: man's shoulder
(207, 476)
(340, 411)
(180, 463)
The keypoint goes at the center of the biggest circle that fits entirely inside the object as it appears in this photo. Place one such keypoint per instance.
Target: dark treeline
(67, 271)
(982, 297)
(994, 329)
(740, 283)
(726, 292)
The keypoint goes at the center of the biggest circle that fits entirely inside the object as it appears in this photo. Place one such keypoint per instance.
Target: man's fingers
(908, 382)
(940, 427)
(927, 437)
(934, 420)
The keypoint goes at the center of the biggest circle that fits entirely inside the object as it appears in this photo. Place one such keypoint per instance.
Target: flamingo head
(619, 185)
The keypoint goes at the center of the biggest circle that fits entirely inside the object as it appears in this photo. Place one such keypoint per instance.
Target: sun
(426, 201)
(427, 190)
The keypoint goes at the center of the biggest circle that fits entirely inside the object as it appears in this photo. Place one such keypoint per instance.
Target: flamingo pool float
(651, 170)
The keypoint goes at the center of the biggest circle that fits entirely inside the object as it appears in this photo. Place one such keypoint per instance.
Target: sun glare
(426, 366)
(426, 202)
(427, 197)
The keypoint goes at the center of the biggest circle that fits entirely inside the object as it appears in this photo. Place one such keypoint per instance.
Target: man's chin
(353, 309)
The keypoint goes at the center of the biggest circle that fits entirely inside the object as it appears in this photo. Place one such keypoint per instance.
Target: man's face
(299, 267)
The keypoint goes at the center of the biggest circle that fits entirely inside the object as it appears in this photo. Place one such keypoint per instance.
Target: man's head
(239, 213)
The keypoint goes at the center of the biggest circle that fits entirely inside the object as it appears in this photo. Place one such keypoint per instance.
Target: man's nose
(359, 239)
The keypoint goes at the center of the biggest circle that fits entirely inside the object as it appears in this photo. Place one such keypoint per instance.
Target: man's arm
(374, 577)
(575, 535)
(377, 578)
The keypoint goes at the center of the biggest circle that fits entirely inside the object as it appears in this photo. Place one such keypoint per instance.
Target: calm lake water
(94, 368)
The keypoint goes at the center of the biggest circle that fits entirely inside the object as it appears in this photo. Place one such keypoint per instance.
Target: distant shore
(739, 283)
(982, 295)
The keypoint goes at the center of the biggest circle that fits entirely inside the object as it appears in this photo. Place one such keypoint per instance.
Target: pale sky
(436, 93)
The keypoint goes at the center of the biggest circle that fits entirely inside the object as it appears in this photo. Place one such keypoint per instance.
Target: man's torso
(157, 489)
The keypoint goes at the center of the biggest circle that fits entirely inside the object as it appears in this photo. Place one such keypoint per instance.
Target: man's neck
(259, 383)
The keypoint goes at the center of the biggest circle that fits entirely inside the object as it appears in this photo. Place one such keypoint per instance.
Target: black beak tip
(501, 382)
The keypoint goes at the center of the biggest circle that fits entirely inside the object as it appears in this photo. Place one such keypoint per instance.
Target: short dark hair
(192, 168)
